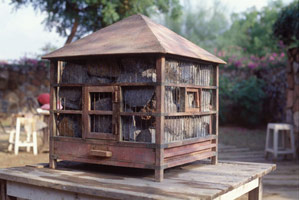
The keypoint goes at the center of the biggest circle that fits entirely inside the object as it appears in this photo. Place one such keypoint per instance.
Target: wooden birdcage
(134, 94)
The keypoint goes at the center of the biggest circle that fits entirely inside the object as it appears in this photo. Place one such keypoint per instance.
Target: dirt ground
(281, 184)
(8, 159)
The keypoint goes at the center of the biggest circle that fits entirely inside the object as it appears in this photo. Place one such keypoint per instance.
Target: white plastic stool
(14, 137)
(275, 149)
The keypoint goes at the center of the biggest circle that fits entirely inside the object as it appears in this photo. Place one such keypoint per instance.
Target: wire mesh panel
(179, 72)
(137, 70)
(101, 101)
(69, 98)
(208, 100)
(116, 70)
(186, 127)
(138, 128)
(139, 99)
(101, 123)
(172, 99)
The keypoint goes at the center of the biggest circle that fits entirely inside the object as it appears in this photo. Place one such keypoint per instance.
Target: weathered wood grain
(198, 180)
(134, 35)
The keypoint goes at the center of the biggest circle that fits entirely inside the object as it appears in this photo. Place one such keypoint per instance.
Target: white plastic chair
(272, 143)
(31, 135)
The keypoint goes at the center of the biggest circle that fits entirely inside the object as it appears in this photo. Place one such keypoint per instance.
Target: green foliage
(286, 27)
(75, 18)
(252, 30)
(201, 25)
(241, 101)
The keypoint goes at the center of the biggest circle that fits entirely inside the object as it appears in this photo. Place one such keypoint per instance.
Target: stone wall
(292, 94)
(20, 85)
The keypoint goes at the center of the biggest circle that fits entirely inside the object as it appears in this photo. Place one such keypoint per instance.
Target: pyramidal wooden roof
(136, 34)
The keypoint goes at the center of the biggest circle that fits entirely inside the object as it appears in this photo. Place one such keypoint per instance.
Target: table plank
(198, 180)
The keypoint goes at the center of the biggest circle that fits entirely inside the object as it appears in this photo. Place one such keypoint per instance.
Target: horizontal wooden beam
(151, 84)
(174, 114)
(190, 141)
(68, 111)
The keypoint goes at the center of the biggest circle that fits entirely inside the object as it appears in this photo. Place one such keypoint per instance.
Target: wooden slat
(191, 141)
(103, 84)
(176, 114)
(100, 89)
(53, 106)
(180, 160)
(160, 93)
(26, 191)
(171, 152)
(215, 159)
(137, 114)
(85, 116)
(105, 142)
(189, 113)
(99, 112)
(182, 85)
(199, 180)
(68, 111)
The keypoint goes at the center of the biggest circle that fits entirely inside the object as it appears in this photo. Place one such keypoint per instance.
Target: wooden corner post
(160, 91)
(215, 158)
(53, 106)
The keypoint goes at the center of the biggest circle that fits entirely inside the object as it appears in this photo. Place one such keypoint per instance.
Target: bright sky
(22, 32)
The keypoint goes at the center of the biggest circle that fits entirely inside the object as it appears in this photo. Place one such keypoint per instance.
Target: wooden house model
(133, 94)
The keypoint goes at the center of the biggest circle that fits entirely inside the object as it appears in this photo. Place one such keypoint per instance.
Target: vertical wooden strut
(215, 158)
(160, 91)
(53, 106)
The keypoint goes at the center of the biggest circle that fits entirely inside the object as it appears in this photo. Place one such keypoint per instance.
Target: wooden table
(227, 180)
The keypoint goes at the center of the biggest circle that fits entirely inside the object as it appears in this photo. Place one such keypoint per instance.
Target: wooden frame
(197, 99)
(87, 112)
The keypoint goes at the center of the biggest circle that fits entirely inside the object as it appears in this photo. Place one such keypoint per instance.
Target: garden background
(253, 83)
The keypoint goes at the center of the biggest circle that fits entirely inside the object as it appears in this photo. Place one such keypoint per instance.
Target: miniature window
(101, 118)
(192, 100)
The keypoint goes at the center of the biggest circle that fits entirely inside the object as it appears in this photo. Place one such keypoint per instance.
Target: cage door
(101, 105)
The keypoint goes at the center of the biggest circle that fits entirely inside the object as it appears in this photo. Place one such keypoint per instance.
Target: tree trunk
(73, 32)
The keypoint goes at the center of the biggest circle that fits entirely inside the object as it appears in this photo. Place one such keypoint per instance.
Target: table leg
(2, 127)
(257, 193)
(3, 189)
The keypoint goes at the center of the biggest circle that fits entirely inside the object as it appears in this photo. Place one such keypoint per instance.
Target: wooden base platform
(198, 180)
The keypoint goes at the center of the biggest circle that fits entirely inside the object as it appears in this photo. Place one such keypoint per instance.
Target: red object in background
(44, 98)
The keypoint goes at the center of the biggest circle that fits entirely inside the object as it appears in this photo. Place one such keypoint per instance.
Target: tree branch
(73, 32)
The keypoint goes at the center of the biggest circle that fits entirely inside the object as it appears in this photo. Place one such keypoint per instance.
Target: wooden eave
(136, 34)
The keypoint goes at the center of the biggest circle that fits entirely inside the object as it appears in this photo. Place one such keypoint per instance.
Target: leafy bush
(241, 101)
(286, 27)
